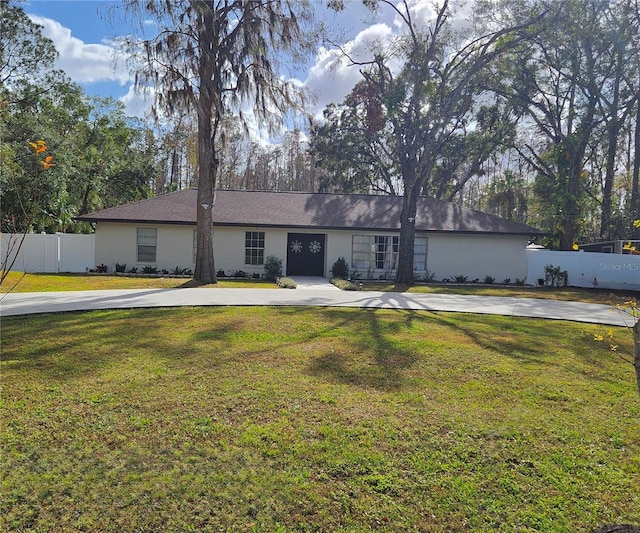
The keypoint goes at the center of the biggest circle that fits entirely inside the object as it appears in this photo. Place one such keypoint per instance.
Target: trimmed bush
(340, 269)
(344, 285)
(272, 268)
(287, 283)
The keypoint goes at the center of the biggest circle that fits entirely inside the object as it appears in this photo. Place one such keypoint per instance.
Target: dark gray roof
(307, 210)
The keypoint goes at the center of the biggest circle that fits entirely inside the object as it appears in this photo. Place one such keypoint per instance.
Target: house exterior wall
(475, 256)
(117, 243)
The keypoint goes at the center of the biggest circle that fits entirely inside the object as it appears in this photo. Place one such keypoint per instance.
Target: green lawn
(19, 282)
(302, 419)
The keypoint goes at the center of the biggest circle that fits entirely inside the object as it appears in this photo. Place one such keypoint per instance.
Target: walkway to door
(314, 283)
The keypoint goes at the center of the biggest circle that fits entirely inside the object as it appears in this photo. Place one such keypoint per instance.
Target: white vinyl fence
(588, 269)
(61, 252)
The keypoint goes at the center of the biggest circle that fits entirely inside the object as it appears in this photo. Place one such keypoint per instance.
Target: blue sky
(83, 34)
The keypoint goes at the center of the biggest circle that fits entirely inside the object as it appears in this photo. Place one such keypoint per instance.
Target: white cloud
(333, 76)
(137, 103)
(83, 62)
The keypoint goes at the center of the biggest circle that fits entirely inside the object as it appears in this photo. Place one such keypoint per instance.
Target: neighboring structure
(309, 232)
(611, 247)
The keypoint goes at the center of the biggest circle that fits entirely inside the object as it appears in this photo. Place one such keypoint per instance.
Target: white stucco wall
(475, 256)
(229, 247)
(116, 243)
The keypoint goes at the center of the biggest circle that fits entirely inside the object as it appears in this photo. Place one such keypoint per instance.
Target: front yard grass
(17, 282)
(303, 419)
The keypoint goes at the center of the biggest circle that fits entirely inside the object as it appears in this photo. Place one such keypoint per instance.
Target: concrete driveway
(55, 302)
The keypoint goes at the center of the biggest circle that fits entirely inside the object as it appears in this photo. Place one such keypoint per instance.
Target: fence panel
(588, 269)
(76, 253)
(41, 252)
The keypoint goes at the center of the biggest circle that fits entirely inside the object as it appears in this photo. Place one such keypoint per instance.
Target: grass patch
(302, 419)
(83, 282)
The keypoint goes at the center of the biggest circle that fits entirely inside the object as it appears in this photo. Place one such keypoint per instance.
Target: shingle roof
(307, 210)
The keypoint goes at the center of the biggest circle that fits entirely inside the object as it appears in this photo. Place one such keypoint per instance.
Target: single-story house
(309, 232)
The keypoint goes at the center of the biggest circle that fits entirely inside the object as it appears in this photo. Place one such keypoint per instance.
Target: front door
(305, 254)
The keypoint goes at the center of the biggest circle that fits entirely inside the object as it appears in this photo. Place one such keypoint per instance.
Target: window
(420, 254)
(361, 251)
(380, 252)
(369, 252)
(147, 239)
(386, 252)
(254, 248)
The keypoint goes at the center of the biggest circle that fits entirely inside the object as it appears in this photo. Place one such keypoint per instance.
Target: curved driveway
(55, 302)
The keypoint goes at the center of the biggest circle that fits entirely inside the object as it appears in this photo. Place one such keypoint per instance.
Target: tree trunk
(407, 237)
(635, 192)
(205, 271)
(613, 128)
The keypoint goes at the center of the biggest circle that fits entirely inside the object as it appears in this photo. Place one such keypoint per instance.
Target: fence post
(58, 250)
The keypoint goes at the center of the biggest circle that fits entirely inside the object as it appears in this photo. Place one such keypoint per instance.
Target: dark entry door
(305, 254)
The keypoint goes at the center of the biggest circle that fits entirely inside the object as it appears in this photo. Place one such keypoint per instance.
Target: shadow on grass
(368, 348)
(68, 346)
(505, 335)
(373, 360)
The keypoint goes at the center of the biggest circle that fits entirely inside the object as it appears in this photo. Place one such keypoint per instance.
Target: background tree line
(529, 110)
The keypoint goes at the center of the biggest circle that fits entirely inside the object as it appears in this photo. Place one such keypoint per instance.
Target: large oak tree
(422, 89)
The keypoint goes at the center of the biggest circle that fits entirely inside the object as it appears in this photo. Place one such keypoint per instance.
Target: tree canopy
(98, 156)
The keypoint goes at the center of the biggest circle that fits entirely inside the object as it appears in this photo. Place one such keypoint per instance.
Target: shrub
(426, 277)
(287, 283)
(272, 268)
(356, 274)
(178, 271)
(506, 281)
(102, 268)
(220, 274)
(121, 268)
(555, 277)
(489, 280)
(519, 281)
(344, 284)
(238, 274)
(133, 270)
(460, 278)
(340, 269)
(149, 269)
